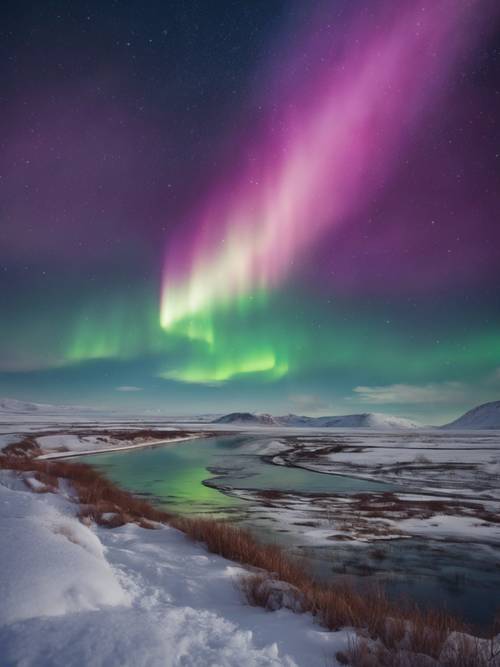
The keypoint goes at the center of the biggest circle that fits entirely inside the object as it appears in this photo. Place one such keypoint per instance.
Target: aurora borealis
(280, 206)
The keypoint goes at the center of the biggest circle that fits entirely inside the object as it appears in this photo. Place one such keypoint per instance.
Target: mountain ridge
(364, 420)
(14, 406)
(484, 416)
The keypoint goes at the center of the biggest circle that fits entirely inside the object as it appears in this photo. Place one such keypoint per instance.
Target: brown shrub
(25, 447)
(363, 654)
(254, 590)
(466, 652)
(334, 605)
(270, 494)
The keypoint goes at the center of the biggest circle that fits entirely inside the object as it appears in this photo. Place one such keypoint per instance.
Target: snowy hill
(485, 416)
(246, 418)
(14, 407)
(366, 420)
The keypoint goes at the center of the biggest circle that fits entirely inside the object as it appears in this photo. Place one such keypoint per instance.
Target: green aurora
(272, 338)
(254, 224)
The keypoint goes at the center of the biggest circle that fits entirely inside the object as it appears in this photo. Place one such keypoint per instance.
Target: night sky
(251, 205)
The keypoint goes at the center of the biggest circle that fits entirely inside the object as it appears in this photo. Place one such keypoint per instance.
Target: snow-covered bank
(87, 595)
(58, 443)
(118, 447)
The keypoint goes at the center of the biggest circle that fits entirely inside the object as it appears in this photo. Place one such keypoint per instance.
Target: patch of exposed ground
(368, 517)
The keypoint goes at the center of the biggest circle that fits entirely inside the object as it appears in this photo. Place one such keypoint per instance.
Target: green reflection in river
(172, 474)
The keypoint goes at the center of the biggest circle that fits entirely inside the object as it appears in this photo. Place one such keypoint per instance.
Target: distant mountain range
(486, 416)
(366, 420)
(12, 406)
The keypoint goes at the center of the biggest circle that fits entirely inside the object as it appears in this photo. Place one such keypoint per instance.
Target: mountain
(247, 418)
(373, 420)
(366, 420)
(485, 416)
(12, 406)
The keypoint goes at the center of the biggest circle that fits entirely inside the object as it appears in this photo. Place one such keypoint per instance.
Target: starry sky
(276, 205)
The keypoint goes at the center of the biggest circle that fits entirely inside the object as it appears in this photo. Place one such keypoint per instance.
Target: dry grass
(96, 494)
(389, 505)
(334, 605)
(25, 447)
(270, 494)
(241, 546)
(254, 589)
(465, 651)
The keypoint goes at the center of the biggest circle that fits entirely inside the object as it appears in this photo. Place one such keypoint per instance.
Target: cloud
(126, 387)
(445, 392)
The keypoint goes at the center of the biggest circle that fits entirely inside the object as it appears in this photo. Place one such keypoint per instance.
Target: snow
(446, 527)
(466, 463)
(69, 441)
(87, 595)
(245, 418)
(51, 564)
(487, 651)
(372, 420)
(34, 483)
(77, 445)
(264, 447)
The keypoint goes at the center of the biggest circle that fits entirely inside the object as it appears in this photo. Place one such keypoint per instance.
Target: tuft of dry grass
(466, 651)
(241, 546)
(25, 447)
(254, 588)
